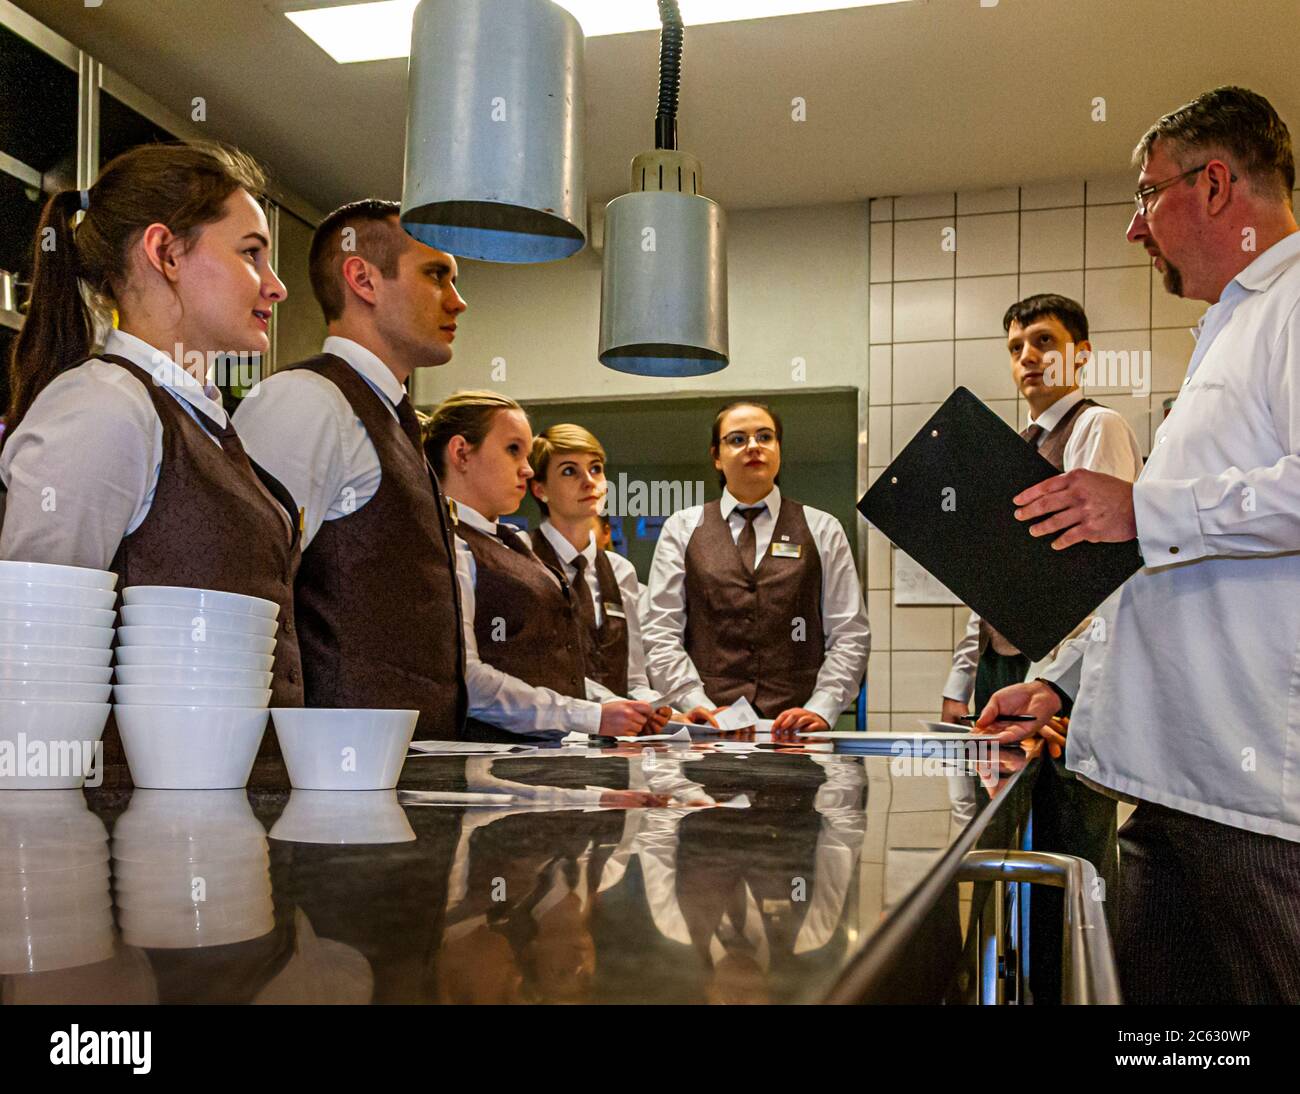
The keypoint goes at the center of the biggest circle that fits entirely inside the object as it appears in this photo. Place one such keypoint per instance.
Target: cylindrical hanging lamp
(494, 130)
(663, 301)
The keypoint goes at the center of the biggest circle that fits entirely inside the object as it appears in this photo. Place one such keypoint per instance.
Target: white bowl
(35, 903)
(179, 695)
(55, 691)
(177, 596)
(64, 733)
(182, 885)
(212, 850)
(194, 656)
(200, 925)
(47, 574)
(73, 862)
(190, 748)
(52, 839)
(343, 749)
(191, 676)
(42, 820)
(190, 637)
(71, 674)
(164, 815)
(30, 612)
(342, 816)
(167, 879)
(72, 879)
(15, 633)
(160, 615)
(42, 945)
(35, 592)
(46, 654)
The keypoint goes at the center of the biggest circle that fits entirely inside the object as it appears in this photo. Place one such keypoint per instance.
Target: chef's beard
(1173, 278)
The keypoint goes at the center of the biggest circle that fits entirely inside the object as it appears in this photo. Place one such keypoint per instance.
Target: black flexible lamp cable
(671, 37)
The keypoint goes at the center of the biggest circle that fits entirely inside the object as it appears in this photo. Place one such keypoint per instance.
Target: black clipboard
(946, 501)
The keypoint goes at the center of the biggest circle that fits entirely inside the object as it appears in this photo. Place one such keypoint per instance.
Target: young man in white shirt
(1184, 699)
(376, 597)
(1046, 335)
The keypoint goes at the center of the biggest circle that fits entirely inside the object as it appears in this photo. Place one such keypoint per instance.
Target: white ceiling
(926, 95)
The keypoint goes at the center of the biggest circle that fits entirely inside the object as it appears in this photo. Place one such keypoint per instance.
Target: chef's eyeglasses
(765, 438)
(1142, 193)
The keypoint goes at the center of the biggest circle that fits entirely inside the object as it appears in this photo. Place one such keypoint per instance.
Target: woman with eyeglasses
(756, 595)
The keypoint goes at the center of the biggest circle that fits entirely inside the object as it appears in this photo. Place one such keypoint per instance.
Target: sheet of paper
(463, 748)
(683, 734)
(875, 735)
(740, 715)
(451, 797)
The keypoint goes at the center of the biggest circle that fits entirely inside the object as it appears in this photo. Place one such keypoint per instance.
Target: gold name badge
(787, 550)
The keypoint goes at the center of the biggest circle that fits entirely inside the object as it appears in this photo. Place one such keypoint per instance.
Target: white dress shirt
(82, 467)
(1190, 695)
(1102, 441)
(302, 429)
(638, 685)
(844, 616)
(496, 697)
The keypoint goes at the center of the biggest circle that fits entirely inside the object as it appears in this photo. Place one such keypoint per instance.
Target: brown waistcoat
(217, 521)
(1052, 449)
(525, 622)
(759, 637)
(377, 601)
(604, 648)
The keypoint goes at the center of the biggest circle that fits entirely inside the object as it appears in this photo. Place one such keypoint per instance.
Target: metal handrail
(874, 974)
(1088, 963)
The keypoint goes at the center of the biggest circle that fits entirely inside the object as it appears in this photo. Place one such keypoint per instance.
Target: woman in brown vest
(124, 459)
(569, 484)
(756, 595)
(524, 664)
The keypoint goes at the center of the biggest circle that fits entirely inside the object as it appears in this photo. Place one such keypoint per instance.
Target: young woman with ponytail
(123, 458)
(525, 665)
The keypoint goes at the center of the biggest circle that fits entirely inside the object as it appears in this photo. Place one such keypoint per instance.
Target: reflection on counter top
(562, 889)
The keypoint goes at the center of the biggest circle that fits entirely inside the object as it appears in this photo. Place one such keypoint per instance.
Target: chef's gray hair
(1237, 123)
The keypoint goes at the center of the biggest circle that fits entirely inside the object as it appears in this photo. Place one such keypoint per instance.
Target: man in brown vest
(1046, 333)
(377, 608)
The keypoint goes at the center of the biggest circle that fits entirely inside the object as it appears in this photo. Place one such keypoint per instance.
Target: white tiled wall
(936, 322)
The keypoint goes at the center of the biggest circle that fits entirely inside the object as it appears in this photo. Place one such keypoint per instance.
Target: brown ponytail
(77, 271)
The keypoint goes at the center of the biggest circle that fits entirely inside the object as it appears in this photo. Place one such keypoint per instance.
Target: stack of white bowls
(56, 631)
(191, 870)
(55, 907)
(193, 685)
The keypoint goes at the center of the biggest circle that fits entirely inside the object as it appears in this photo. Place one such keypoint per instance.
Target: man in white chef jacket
(1186, 696)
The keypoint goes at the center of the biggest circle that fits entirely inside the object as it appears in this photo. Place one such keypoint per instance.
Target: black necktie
(508, 535)
(410, 423)
(586, 606)
(747, 544)
(1032, 433)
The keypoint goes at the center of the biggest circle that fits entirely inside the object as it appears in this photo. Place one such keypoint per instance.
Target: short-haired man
(1046, 335)
(1186, 699)
(376, 598)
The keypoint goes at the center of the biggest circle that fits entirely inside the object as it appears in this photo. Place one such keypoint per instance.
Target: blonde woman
(569, 484)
